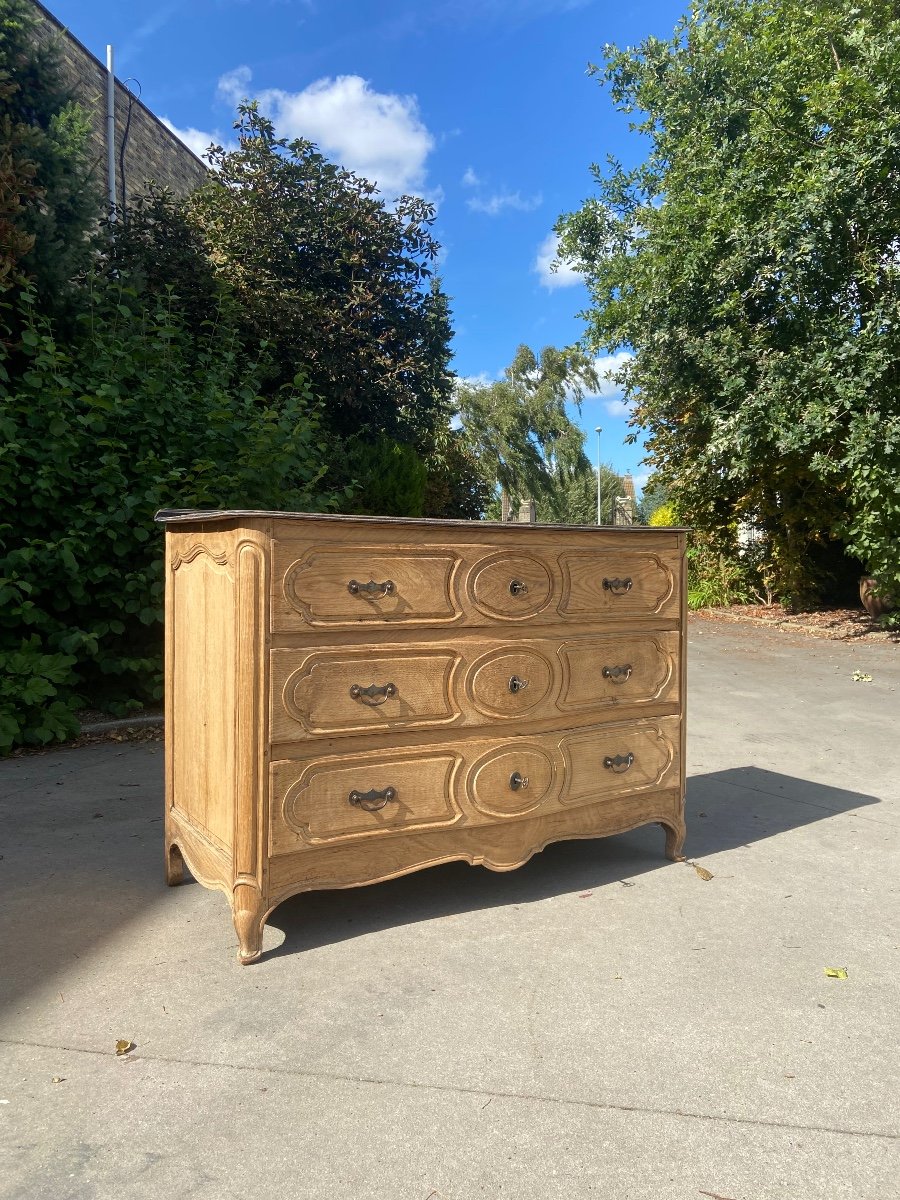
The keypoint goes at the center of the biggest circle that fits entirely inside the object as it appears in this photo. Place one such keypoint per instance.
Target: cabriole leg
(174, 866)
(674, 840)
(249, 919)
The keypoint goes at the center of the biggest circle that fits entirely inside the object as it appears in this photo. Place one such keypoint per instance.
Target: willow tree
(518, 428)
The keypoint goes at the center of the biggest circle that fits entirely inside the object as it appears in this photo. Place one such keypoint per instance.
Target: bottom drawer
(473, 781)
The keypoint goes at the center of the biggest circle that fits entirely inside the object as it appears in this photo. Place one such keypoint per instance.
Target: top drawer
(358, 585)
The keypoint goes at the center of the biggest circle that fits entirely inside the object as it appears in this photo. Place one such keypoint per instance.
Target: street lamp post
(598, 431)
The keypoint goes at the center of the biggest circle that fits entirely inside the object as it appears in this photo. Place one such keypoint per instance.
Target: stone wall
(151, 151)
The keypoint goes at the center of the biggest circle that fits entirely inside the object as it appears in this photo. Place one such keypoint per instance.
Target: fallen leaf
(58, 1079)
(836, 972)
(124, 1046)
(861, 677)
(701, 871)
(584, 895)
(714, 1195)
(627, 882)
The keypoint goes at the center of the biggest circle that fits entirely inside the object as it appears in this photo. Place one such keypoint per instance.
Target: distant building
(626, 505)
(146, 151)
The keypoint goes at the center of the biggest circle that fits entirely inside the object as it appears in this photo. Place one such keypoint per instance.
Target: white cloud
(606, 365)
(617, 408)
(494, 205)
(195, 139)
(234, 86)
(379, 135)
(482, 379)
(640, 481)
(547, 255)
(470, 179)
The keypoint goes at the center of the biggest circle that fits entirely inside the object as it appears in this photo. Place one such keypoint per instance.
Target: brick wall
(152, 152)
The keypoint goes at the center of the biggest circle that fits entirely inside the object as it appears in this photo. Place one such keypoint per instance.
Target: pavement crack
(460, 1090)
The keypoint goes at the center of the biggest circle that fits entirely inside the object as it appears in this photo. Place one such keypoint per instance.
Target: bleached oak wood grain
(349, 700)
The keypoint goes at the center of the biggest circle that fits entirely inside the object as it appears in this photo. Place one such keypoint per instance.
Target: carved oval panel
(511, 781)
(509, 683)
(511, 587)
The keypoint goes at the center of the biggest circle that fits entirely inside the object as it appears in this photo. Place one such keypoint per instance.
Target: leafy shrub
(716, 579)
(664, 515)
(96, 434)
(390, 479)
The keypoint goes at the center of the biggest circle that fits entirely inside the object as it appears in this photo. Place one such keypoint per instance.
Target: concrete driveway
(601, 1022)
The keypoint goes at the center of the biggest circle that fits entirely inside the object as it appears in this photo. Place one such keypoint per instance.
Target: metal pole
(598, 431)
(111, 132)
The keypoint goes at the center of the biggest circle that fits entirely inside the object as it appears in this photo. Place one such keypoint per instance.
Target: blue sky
(484, 106)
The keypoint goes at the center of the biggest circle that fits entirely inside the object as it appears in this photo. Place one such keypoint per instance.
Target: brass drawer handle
(373, 694)
(618, 587)
(517, 781)
(517, 685)
(370, 800)
(518, 588)
(355, 588)
(617, 674)
(619, 764)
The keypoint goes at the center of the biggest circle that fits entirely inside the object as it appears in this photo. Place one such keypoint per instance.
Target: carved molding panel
(509, 683)
(334, 587)
(630, 583)
(510, 586)
(616, 760)
(364, 796)
(512, 780)
(346, 691)
(618, 669)
(217, 558)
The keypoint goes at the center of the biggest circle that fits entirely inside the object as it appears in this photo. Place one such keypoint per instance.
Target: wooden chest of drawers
(349, 699)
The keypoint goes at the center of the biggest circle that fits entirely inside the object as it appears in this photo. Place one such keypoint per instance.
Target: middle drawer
(345, 691)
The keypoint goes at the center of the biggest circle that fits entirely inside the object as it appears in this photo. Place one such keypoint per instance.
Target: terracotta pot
(873, 604)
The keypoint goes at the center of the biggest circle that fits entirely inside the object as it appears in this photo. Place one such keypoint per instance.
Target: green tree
(752, 263)
(654, 495)
(572, 496)
(98, 429)
(454, 486)
(518, 429)
(48, 199)
(332, 280)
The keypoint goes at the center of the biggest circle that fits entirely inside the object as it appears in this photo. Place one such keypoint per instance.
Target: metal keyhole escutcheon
(516, 684)
(518, 781)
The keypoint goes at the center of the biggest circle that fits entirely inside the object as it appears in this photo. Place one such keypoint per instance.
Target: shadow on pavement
(81, 857)
(724, 809)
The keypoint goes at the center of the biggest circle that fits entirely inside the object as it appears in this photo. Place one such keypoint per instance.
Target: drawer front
(345, 691)
(344, 799)
(356, 586)
(625, 583)
(349, 691)
(329, 587)
(613, 670)
(475, 781)
(615, 760)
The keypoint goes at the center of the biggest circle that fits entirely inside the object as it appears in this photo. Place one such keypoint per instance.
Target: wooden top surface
(195, 516)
